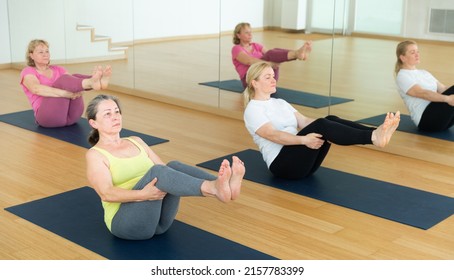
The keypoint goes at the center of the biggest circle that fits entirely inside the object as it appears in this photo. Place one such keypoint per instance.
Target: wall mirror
(164, 49)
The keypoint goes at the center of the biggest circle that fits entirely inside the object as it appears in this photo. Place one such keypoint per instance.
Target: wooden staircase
(121, 50)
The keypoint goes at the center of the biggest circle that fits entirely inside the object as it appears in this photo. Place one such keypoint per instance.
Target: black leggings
(438, 116)
(299, 161)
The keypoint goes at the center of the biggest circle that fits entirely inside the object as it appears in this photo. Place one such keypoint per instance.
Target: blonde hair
(401, 49)
(253, 73)
(237, 30)
(31, 48)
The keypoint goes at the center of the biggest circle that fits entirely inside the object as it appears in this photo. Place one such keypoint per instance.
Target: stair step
(101, 38)
(84, 27)
(118, 48)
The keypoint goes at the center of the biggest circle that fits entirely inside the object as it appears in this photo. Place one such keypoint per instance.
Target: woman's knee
(154, 172)
(159, 167)
(332, 117)
(174, 164)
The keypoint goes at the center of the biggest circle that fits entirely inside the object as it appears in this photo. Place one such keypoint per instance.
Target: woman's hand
(151, 192)
(450, 100)
(74, 95)
(313, 140)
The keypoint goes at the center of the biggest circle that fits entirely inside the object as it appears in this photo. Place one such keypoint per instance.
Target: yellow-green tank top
(126, 172)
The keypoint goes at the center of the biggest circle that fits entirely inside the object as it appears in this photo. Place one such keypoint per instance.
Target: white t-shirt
(281, 115)
(408, 78)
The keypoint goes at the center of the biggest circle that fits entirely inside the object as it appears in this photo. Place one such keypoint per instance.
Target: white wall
(293, 14)
(417, 19)
(236, 11)
(5, 53)
(115, 22)
(36, 19)
(126, 20)
(160, 19)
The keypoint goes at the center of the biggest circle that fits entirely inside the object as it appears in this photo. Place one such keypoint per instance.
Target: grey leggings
(142, 220)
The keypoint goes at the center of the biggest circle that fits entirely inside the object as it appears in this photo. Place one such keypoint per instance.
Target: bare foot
(105, 78)
(382, 135)
(238, 171)
(95, 80)
(396, 120)
(220, 188)
(303, 52)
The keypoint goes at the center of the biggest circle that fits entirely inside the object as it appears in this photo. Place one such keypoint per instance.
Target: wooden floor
(278, 223)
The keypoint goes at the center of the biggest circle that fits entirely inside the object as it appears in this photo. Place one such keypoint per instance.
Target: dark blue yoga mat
(407, 125)
(77, 215)
(401, 204)
(290, 95)
(75, 134)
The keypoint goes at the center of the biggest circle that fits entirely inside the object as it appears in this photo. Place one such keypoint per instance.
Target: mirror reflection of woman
(430, 103)
(245, 52)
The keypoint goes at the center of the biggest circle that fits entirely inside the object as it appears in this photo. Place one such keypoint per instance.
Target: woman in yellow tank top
(140, 194)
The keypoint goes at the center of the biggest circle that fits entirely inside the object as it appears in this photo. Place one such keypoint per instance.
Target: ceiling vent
(441, 21)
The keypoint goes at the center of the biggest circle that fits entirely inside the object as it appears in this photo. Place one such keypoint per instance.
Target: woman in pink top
(245, 52)
(54, 94)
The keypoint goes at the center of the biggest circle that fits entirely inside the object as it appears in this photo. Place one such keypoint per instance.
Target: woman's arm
(33, 85)
(246, 59)
(433, 96)
(441, 87)
(100, 179)
(311, 140)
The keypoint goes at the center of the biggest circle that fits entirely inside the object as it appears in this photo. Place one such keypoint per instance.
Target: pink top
(35, 99)
(240, 67)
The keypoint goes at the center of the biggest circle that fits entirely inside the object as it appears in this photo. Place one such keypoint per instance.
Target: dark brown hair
(92, 110)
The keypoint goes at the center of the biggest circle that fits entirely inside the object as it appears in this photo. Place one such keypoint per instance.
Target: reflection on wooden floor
(284, 225)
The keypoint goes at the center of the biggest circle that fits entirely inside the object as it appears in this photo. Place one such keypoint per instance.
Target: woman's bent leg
(191, 170)
(142, 220)
(438, 116)
(341, 133)
(298, 161)
(277, 55)
(173, 181)
(75, 110)
(71, 83)
(169, 210)
(53, 112)
(137, 220)
(349, 123)
(59, 111)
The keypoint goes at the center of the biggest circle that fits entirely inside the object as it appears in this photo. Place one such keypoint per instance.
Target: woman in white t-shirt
(430, 103)
(293, 145)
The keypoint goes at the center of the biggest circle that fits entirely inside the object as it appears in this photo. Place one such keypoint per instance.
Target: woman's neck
(261, 96)
(245, 44)
(409, 67)
(109, 140)
(41, 67)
